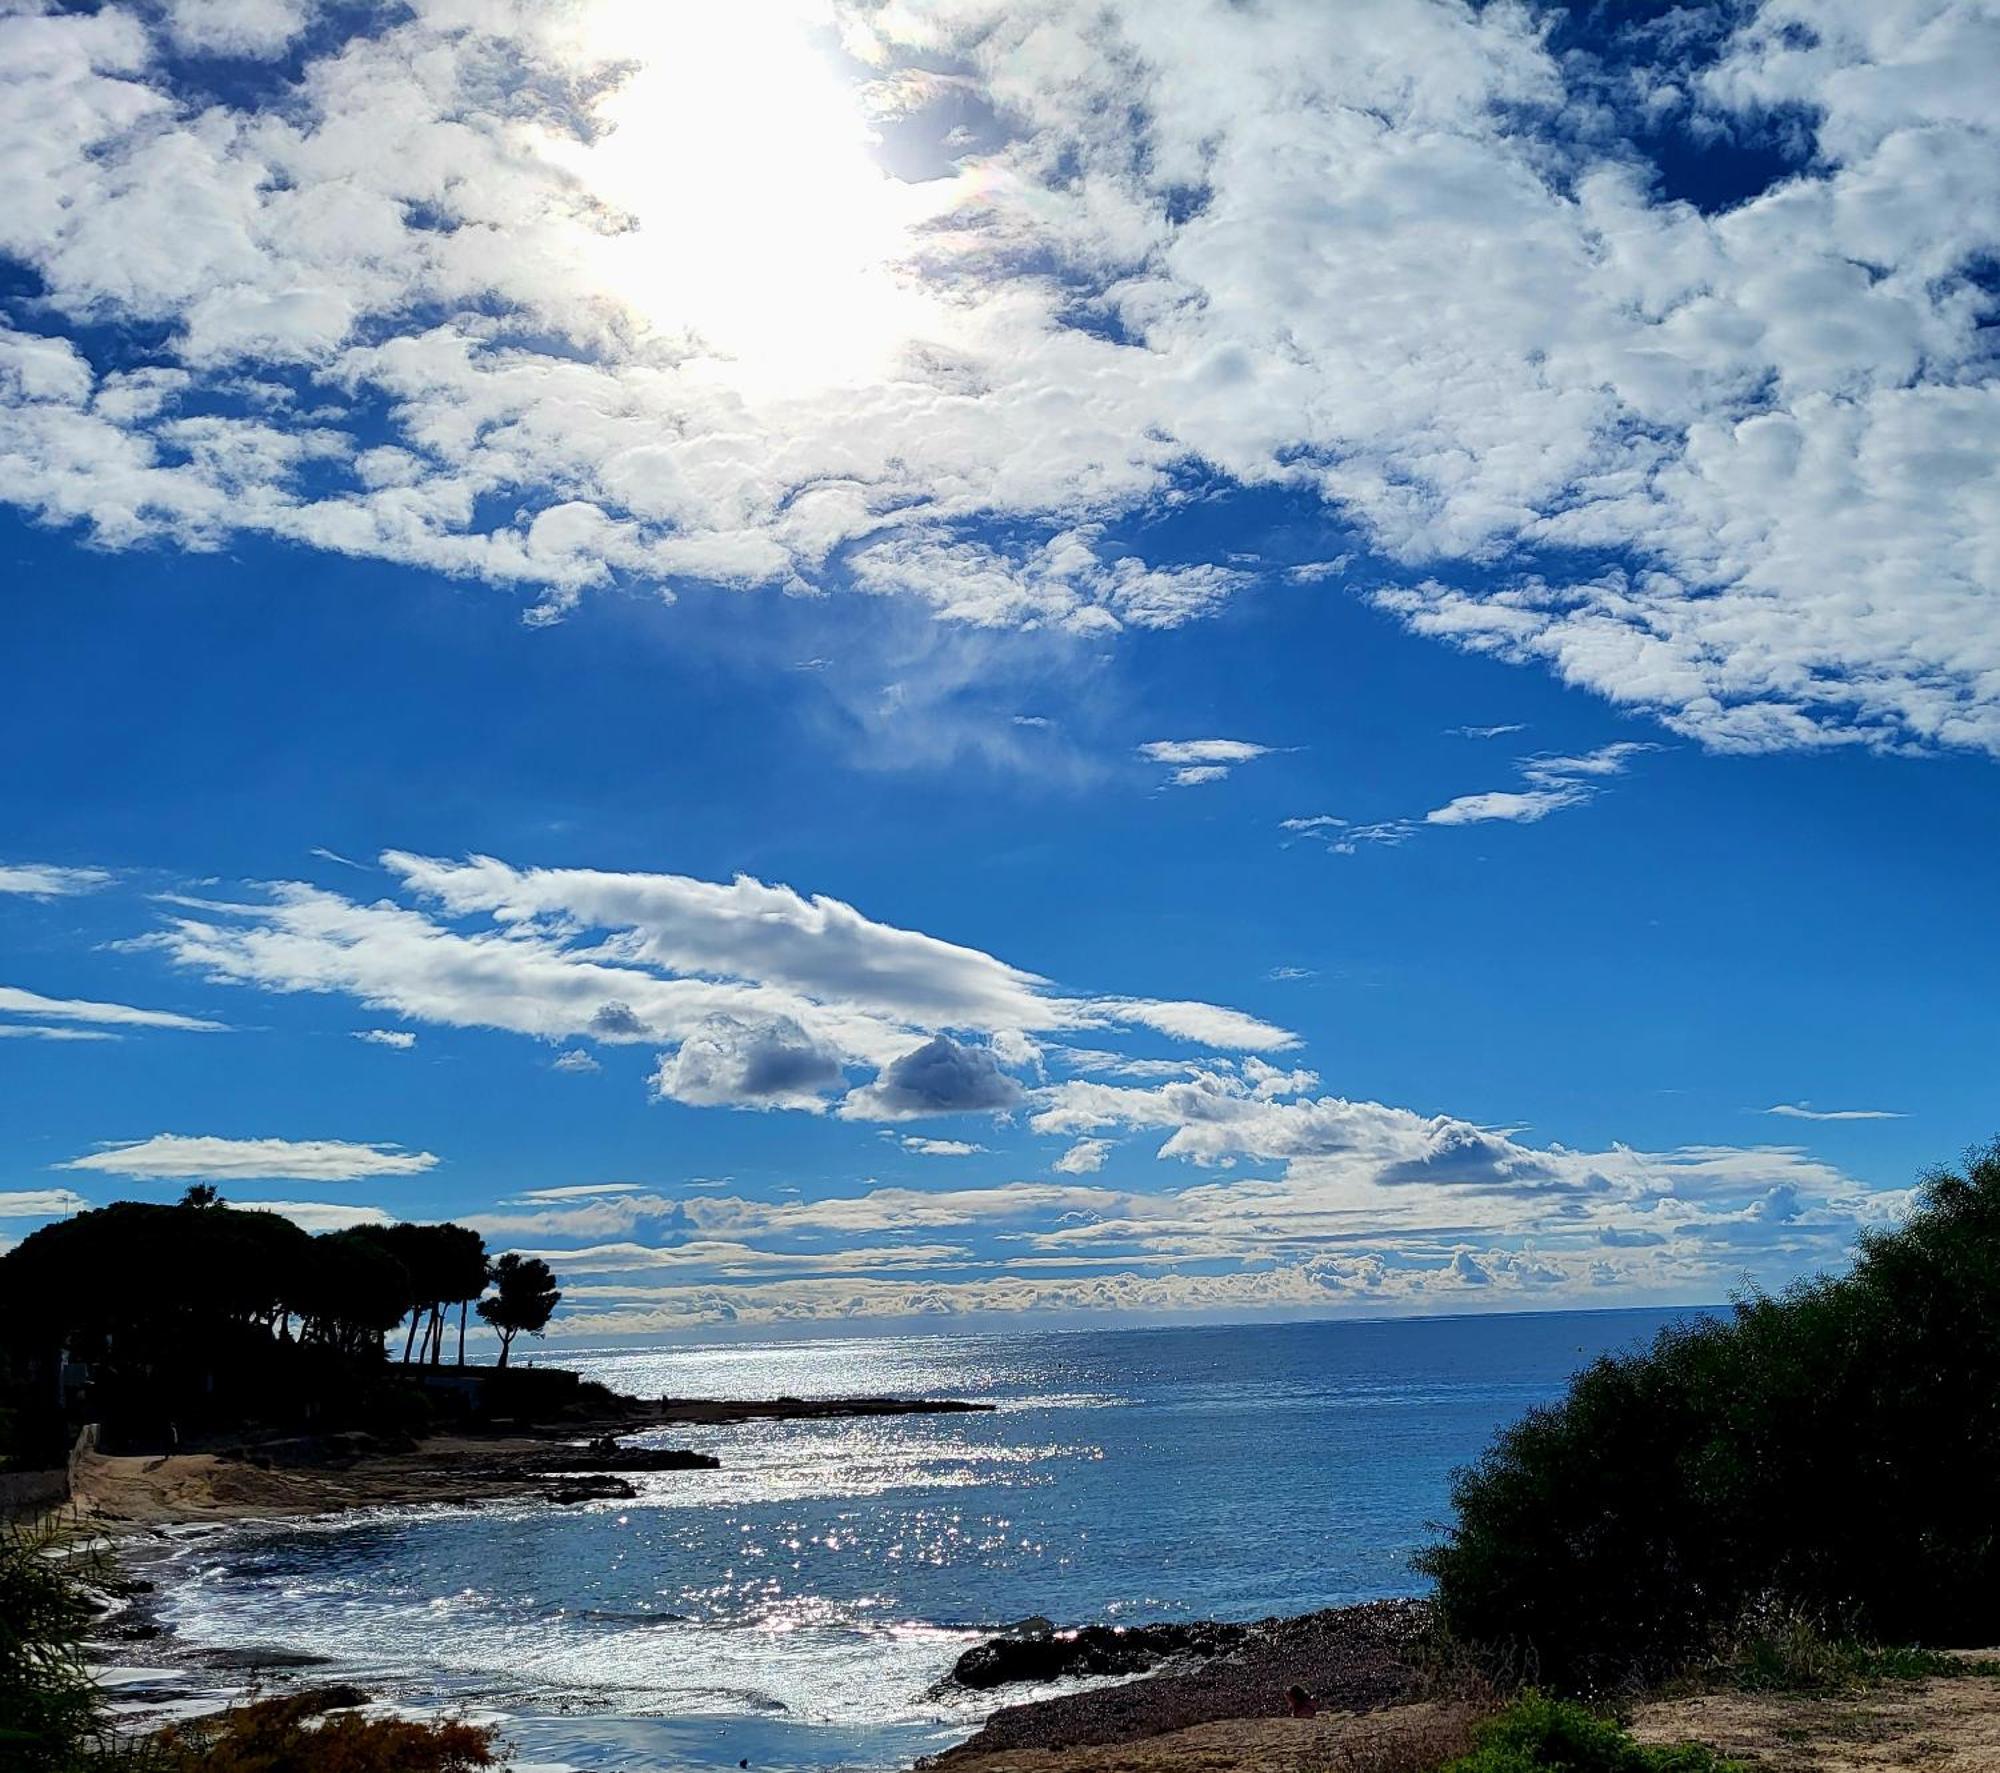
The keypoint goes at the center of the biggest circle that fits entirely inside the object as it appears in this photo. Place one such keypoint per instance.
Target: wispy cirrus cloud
(15, 1001)
(42, 880)
(1554, 783)
(1804, 1111)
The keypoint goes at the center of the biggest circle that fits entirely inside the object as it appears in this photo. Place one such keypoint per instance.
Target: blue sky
(1320, 707)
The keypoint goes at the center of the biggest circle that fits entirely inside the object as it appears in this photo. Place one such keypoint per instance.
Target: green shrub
(1838, 1447)
(1537, 1734)
(49, 1706)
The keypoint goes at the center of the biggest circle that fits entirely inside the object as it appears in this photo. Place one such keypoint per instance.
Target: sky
(936, 664)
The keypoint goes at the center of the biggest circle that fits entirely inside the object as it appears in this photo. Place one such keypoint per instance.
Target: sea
(797, 1608)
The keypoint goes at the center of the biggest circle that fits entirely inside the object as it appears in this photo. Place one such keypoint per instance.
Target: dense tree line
(185, 1303)
(1831, 1455)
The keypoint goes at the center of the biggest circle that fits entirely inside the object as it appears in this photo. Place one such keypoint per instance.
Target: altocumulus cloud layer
(756, 995)
(1262, 1190)
(502, 290)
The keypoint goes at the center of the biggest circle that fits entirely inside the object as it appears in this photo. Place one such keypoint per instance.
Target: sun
(762, 226)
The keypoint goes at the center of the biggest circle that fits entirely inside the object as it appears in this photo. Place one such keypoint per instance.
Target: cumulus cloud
(939, 1147)
(575, 1060)
(942, 1076)
(1733, 466)
(1084, 1158)
(728, 1061)
(173, 1157)
(41, 880)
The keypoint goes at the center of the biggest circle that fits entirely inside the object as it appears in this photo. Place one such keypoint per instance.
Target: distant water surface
(794, 1607)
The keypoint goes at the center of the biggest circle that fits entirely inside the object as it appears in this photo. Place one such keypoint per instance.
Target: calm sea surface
(794, 1607)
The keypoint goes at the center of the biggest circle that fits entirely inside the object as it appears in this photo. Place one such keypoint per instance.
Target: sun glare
(762, 224)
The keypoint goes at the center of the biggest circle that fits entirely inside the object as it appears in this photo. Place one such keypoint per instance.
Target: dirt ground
(152, 1491)
(1939, 1726)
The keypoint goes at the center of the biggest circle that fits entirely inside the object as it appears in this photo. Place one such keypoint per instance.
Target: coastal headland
(580, 1457)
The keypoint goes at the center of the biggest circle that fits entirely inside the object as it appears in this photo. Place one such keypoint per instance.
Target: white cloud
(943, 1076)
(1200, 761)
(1554, 784)
(41, 880)
(399, 1038)
(762, 996)
(40, 1203)
(1399, 259)
(1521, 808)
(35, 1031)
(575, 1060)
(170, 1157)
(771, 1062)
(16, 1002)
(939, 1147)
(316, 1216)
(582, 1191)
(1802, 1111)
(1084, 1158)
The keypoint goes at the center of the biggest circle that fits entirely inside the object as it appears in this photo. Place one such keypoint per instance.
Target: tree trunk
(506, 1343)
(462, 1304)
(409, 1341)
(437, 1333)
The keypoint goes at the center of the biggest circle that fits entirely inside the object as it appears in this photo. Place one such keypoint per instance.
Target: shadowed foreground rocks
(1351, 1658)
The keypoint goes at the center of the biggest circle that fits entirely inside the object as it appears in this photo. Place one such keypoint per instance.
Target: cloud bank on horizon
(1274, 1194)
(924, 300)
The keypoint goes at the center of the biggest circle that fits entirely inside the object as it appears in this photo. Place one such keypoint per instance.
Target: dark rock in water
(1027, 1653)
(255, 1658)
(1353, 1658)
(606, 1453)
(589, 1489)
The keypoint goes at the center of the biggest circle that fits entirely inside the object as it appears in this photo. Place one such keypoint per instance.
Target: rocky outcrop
(606, 1453)
(1035, 1652)
(1352, 1658)
(571, 1491)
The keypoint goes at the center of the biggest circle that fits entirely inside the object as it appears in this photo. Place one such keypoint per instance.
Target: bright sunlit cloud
(761, 226)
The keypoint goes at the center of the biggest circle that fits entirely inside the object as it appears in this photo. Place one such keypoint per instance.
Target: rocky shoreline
(579, 1459)
(1352, 1659)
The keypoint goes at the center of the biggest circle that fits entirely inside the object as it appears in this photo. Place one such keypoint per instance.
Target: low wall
(36, 1492)
(32, 1492)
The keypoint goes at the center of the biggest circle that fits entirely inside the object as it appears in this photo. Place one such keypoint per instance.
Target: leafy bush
(1778, 1648)
(1537, 1734)
(48, 1702)
(292, 1735)
(1837, 1447)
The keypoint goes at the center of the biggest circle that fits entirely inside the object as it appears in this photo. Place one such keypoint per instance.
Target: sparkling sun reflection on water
(797, 1606)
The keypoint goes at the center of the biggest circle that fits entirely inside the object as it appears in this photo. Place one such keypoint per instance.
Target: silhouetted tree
(525, 1298)
(202, 1194)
